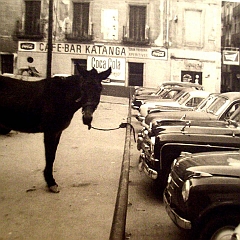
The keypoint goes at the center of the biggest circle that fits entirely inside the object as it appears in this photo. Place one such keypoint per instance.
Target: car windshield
(218, 106)
(171, 94)
(203, 105)
(161, 91)
(183, 98)
(179, 95)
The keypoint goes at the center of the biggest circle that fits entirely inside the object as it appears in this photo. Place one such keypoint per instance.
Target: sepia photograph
(119, 120)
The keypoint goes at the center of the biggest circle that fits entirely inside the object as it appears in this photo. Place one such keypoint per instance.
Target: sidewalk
(87, 169)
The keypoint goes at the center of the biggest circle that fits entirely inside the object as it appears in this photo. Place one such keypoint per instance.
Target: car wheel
(220, 227)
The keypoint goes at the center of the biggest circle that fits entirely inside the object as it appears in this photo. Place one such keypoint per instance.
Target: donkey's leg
(51, 140)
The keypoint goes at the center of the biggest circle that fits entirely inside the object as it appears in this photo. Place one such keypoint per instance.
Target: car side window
(193, 102)
(232, 110)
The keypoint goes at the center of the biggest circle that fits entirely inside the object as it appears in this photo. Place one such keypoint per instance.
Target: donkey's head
(91, 90)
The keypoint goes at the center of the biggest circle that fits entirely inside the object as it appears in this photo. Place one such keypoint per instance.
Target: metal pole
(49, 49)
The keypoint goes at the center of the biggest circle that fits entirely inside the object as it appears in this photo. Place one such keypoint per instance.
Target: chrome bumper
(146, 169)
(179, 221)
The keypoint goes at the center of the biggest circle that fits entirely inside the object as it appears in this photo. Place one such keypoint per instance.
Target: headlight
(186, 190)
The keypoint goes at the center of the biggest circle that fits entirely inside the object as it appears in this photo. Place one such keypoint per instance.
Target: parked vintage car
(151, 90)
(221, 108)
(189, 100)
(201, 107)
(168, 90)
(164, 142)
(203, 194)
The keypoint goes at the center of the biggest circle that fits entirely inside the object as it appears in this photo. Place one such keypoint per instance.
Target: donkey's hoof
(54, 189)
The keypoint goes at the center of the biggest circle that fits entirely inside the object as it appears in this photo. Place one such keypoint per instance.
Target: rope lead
(122, 125)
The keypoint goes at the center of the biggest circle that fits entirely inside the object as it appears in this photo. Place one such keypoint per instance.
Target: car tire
(219, 226)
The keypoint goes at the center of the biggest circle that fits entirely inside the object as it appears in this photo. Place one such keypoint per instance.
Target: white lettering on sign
(138, 52)
(118, 65)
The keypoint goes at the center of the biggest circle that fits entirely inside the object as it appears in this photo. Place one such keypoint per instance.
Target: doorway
(135, 74)
(81, 62)
(7, 63)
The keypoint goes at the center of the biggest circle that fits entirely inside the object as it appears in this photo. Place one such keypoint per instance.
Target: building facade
(146, 42)
(230, 42)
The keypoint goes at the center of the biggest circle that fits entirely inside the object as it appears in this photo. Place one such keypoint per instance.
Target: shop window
(191, 76)
(135, 74)
(81, 30)
(32, 17)
(136, 31)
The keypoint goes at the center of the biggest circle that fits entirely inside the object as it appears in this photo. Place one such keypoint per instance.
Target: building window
(32, 17)
(137, 21)
(136, 31)
(80, 20)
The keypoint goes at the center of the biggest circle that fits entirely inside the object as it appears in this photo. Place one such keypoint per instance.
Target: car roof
(231, 95)
(199, 93)
(183, 84)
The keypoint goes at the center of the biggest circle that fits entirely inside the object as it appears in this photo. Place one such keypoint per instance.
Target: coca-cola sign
(158, 53)
(27, 46)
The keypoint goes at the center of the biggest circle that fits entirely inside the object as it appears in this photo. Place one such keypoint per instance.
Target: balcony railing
(79, 36)
(36, 34)
(141, 39)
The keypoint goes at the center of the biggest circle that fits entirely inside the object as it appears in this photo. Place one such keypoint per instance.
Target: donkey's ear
(103, 75)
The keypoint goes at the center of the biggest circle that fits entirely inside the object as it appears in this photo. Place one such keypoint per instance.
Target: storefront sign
(96, 50)
(231, 57)
(27, 46)
(156, 53)
(159, 53)
(138, 52)
(103, 63)
(75, 48)
(193, 65)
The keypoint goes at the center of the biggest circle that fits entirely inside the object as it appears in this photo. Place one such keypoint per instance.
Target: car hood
(223, 163)
(201, 128)
(152, 99)
(165, 103)
(187, 115)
